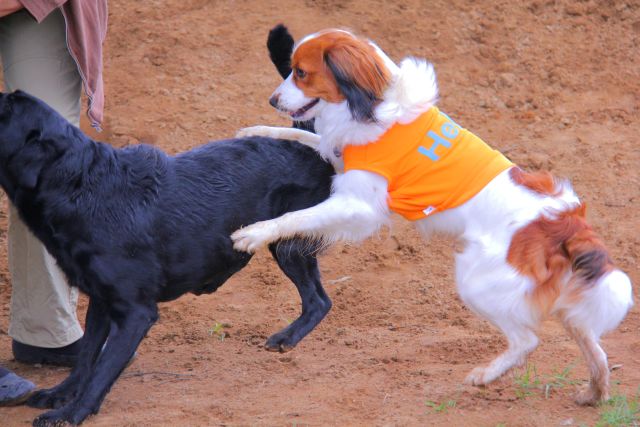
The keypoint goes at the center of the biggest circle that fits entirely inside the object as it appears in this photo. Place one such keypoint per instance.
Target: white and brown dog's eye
(300, 73)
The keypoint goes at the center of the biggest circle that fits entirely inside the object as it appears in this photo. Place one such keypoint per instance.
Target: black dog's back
(134, 226)
(248, 175)
(245, 180)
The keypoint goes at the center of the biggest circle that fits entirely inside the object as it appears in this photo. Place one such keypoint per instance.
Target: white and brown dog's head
(352, 89)
(333, 66)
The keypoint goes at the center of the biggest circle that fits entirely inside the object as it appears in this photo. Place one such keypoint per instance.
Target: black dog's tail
(280, 44)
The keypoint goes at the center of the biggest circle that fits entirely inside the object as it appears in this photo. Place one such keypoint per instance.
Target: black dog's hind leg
(128, 327)
(96, 331)
(299, 263)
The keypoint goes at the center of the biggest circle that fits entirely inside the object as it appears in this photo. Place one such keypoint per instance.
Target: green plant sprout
(218, 330)
(440, 407)
(559, 380)
(621, 411)
(526, 382)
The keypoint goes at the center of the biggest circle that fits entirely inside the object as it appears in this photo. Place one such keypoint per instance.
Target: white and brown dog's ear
(360, 74)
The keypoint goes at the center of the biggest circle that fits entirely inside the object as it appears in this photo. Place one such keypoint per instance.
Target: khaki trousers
(36, 60)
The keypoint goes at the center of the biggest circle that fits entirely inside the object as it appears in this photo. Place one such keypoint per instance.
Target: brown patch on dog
(546, 249)
(541, 182)
(354, 56)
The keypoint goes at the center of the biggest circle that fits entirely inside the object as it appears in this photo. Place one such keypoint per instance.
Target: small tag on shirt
(428, 211)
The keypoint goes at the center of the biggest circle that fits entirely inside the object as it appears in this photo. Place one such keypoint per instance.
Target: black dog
(133, 226)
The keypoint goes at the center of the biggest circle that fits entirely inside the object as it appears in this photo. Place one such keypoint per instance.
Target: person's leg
(43, 323)
(43, 307)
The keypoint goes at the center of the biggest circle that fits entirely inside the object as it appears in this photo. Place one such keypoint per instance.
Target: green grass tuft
(218, 330)
(527, 382)
(442, 407)
(559, 380)
(620, 411)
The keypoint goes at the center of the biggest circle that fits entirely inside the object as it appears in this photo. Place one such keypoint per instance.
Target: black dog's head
(31, 134)
(22, 118)
(12, 131)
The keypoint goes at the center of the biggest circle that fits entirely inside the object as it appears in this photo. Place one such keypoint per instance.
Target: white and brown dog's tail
(573, 273)
(604, 292)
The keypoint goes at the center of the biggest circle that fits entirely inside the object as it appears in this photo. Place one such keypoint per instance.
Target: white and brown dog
(528, 250)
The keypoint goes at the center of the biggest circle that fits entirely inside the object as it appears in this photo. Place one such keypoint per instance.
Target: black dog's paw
(280, 342)
(49, 398)
(70, 415)
(52, 419)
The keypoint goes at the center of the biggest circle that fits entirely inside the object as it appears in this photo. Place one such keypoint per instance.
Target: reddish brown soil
(554, 84)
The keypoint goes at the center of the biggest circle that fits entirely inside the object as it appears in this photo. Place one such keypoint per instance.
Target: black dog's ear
(280, 45)
(25, 166)
(360, 75)
(6, 99)
(4, 103)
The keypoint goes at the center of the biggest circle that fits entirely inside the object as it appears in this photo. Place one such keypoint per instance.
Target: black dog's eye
(300, 73)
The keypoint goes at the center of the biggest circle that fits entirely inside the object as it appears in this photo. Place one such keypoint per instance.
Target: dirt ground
(553, 84)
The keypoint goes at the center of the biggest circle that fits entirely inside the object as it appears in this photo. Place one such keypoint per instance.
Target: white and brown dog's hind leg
(490, 289)
(597, 307)
(521, 342)
(596, 358)
(302, 136)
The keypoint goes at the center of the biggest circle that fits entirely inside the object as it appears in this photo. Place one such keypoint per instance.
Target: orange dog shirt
(431, 164)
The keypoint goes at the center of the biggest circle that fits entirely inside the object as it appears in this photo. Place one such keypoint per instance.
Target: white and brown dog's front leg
(356, 210)
(337, 218)
(302, 136)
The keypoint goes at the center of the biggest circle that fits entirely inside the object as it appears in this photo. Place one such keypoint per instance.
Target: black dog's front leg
(298, 261)
(128, 327)
(96, 331)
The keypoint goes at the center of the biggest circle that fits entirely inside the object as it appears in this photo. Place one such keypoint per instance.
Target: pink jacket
(86, 22)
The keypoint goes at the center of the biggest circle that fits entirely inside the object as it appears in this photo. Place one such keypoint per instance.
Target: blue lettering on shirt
(449, 129)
